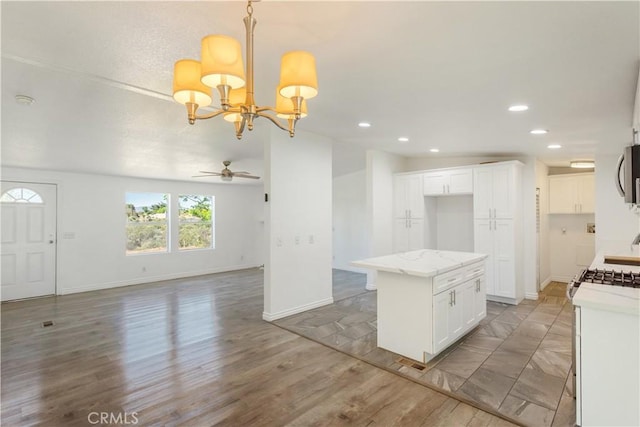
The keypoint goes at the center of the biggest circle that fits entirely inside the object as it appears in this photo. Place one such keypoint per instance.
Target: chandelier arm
(210, 115)
(292, 123)
(261, 109)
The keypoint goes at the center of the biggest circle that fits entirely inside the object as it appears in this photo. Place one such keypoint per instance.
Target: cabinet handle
(452, 279)
(478, 285)
(489, 212)
(454, 297)
(489, 225)
(494, 212)
(495, 227)
(451, 298)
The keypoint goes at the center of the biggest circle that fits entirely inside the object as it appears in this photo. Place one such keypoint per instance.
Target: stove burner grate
(611, 277)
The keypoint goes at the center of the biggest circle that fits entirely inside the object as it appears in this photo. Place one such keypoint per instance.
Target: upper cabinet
(448, 182)
(408, 196)
(494, 188)
(572, 194)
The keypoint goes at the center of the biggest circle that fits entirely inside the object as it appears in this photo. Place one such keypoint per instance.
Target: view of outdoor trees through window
(195, 222)
(146, 222)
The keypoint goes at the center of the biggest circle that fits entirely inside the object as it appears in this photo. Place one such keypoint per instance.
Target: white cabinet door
(400, 209)
(415, 196)
(480, 300)
(456, 323)
(570, 194)
(483, 244)
(400, 235)
(465, 298)
(415, 235)
(441, 329)
(503, 258)
(434, 183)
(563, 194)
(460, 181)
(502, 188)
(482, 193)
(408, 197)
(587, 193)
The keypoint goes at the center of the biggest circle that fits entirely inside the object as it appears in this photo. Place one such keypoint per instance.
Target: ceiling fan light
(298, 75)
(226, 178)
(187, 86)
(285, 109)
(222, 61)
(582, 164)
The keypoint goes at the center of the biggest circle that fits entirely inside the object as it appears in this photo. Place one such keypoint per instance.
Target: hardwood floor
(194, 352)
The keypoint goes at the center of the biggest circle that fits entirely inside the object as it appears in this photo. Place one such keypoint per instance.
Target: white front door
(28, 248)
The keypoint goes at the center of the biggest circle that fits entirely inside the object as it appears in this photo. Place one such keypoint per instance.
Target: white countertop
(423, 262)
(610, 298)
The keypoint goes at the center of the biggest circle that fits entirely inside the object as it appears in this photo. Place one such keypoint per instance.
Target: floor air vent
(47, 323)
(412, 364)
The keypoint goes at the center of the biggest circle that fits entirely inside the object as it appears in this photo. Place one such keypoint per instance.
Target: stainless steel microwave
(628, 174)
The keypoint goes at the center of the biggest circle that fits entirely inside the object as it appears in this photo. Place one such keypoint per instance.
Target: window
(20, 195)
(146, 222)
(195, 222)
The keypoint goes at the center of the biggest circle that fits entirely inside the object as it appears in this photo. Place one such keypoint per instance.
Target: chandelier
(221, 67)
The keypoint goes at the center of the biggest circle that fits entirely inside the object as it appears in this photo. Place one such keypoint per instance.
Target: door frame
(56, 185)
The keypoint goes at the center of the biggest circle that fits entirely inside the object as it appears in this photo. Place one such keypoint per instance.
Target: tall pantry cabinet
(497, 211)
(408, 213)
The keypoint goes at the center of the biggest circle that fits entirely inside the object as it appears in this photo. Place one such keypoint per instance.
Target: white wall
(542, 183)
(297, 224)
(616, 225)
(380, 169)
(449, 223)
(92, 208)
(349, 220)
(572, 248)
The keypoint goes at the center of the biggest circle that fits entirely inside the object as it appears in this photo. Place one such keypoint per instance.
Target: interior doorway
(28, 247)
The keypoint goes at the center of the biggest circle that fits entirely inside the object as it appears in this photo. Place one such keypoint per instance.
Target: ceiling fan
(226, 174)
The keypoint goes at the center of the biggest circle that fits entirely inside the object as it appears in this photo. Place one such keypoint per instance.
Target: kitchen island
(427, 299)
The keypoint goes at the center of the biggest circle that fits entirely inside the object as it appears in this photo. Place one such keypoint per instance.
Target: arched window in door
(20, 195)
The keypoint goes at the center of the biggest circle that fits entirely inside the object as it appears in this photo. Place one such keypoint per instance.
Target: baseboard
(531, 295)
(371, 287)
(545, 283)
(151, 279)
(505, 300)
(563, 279)
(270, 317)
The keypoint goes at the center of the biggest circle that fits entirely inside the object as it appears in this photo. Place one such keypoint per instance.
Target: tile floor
(516, 362)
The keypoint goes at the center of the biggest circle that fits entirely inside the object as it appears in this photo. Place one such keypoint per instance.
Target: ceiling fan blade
(240, 175)
(200, 176)
(241, 172)
(211, 173)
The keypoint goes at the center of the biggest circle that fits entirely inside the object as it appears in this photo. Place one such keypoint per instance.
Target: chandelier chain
(249, 8)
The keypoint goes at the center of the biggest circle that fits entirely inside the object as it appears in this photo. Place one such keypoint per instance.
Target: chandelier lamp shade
(221, 67)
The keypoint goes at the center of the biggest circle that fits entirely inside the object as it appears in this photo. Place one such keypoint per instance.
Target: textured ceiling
(440, 73)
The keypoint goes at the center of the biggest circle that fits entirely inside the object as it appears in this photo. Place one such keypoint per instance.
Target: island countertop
(423, 262)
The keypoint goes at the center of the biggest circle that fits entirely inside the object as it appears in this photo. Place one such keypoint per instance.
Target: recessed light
(364, 125)
(403, 139)
(582, 164)
(554, 146)
(434, 150)
(519, 107)
(24, 100)
(539, 131)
